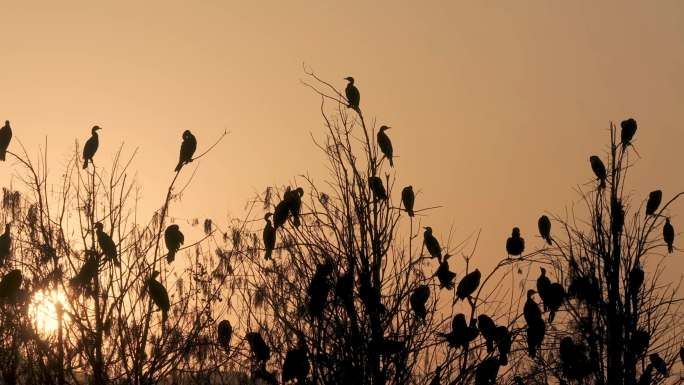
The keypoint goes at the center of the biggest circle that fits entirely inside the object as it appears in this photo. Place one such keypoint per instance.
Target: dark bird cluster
(291, 204)
(495, 335)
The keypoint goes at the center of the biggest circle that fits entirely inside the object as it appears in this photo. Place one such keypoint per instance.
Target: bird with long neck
(91, 146)
(385, 144)
(352, 93)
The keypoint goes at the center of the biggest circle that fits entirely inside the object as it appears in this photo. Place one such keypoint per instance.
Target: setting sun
(44, 310)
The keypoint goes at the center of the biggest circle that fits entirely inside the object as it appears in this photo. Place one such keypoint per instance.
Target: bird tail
(268, 253)
(179, 166)
(532, 351)
(549, 240)
(391, 162)
(171, 256)
(552, 315)
(85, 164)
(503, 359)
(670, 248)
(410, 213)
(602, 184)
(295, 219)
(2, 155)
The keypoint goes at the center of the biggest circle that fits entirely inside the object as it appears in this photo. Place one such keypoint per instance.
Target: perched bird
(555, 296)
(86, 274)
(5, 138)
(654, 199)
(599, 170)
(408, 198)
(385, 144)
(468, 284)
(543, 283)
(5, 244)
(515, 245)
(352, 93)
(268, 236)
(106, 244)
(318, 289)
(544, 225)
(432, 244)
(281, 211)
(344, 288)
(488, 330)
(91, 146)
(461, 333)
(617, 216)
(159, 295)
(294, 203)
(418, 299)
(487, 371)
(658, 363)
(535, 336)
(639, 342)
(629, 128)
(445, 276)
(376, 186)
(173, 239)
(531, 309)
(10, 284)
(261, 351)
(296, 365)
(225, 333)
(503, 340)
(187, 149)
(636, 279)
(668, 235)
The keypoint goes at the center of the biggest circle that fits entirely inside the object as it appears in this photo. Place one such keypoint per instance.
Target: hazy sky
(496, 106)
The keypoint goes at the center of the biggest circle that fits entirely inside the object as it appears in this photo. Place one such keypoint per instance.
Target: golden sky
(496, 106)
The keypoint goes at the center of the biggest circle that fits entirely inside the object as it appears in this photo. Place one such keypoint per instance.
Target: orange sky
(496, 105)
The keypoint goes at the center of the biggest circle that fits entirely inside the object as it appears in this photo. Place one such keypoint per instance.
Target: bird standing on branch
(352, 93)
(187, 149)
(173, 239)
(159, 295)
(408, 198)
(468, 284)
(91, 146)
(432, 244)
(544, 225)
(106, 244)
(653, 202)
(268, 236)
(515, 245)
(5, 138)
(629, 128)
(385, 144)
(5, 244)
(668, 235)
(599, 170)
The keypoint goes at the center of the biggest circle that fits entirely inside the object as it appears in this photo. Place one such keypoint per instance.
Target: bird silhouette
(408, 198)
(668, 235)
(461, 333)
(268, 236)
(658, 363)
(544, 225)
(536, 328)
(5, 138)
(468, 284)
(487, 371)
(654, 199)
(259, 348)
(385, 144)
(294, 202)
(159, 295)
(488, 330)
(296, 365)
(282, 210)
(352, 93)
(629, 128)
(225, 333)
(531, 310)
(319, 288)
(86, 274)
(418, 299)
(378, 189)
(515, 245)
(639, 342)
(445, 276)
(599, 170)
(555, 296)
(10, 284)
(432, 244)
(5, 244)
(503, 340)
(91, 146)
(187, 149)
(106, 244)
(636, 279)
(173, 239)
(543, 283)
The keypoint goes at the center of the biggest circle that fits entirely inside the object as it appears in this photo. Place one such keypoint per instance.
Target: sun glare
(44, 310)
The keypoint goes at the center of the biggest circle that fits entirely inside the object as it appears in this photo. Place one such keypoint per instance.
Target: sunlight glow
(43, 310)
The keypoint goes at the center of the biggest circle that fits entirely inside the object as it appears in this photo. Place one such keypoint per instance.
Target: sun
(43, 310)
